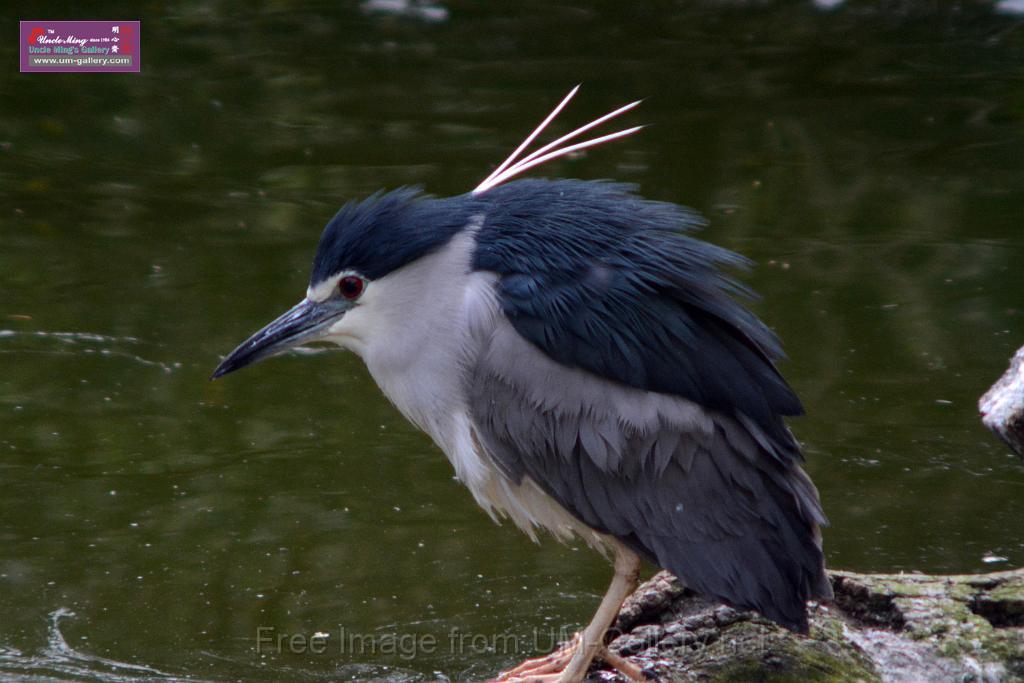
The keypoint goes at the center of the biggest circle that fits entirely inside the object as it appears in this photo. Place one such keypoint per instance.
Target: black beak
(305, 322)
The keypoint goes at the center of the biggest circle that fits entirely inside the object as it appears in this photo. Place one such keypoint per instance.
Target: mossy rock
(881, 627)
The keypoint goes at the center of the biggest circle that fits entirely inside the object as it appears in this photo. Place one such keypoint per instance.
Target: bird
(590, 368)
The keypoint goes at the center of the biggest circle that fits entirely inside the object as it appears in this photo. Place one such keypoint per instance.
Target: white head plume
(511, 167)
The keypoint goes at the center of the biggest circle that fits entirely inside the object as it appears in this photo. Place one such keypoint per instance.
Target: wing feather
(693, 491)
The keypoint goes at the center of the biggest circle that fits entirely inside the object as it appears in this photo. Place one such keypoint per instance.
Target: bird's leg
(627, 576)
(569, 663)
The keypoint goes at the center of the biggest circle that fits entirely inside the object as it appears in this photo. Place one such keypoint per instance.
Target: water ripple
(87, 342)
(58, 661)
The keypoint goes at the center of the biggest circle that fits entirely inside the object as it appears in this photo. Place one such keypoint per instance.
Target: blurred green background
(868, 155)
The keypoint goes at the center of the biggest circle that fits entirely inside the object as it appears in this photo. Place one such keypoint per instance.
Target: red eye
(350, 286)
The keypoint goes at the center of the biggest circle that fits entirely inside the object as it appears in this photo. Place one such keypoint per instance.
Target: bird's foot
(549, 669)
(544, 669)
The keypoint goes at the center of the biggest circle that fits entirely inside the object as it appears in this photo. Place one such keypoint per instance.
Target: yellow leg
(569, 663)
(627, 575)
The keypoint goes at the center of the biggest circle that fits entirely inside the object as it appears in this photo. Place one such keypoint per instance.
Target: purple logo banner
(80, 46)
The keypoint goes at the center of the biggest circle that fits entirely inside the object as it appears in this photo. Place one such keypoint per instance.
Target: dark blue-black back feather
(604, 280)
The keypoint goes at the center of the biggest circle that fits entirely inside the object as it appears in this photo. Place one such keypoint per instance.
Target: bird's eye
(351, 286)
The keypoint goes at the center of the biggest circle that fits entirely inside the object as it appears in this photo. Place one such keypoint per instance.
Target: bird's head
(357, 272)
(372, 266)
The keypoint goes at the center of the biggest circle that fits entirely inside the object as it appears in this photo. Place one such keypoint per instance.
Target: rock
(1002, 406)
(882, 627)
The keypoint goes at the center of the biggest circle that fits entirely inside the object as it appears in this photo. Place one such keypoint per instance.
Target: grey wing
(690, 489)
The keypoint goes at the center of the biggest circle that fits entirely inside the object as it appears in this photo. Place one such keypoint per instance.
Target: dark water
(870, 158)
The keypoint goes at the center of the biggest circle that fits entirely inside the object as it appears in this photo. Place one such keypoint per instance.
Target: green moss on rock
(881, 627)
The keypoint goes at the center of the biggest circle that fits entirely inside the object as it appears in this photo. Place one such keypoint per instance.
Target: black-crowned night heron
(584, 364)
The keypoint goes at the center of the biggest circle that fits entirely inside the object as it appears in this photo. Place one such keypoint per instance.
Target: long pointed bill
(305, 322)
